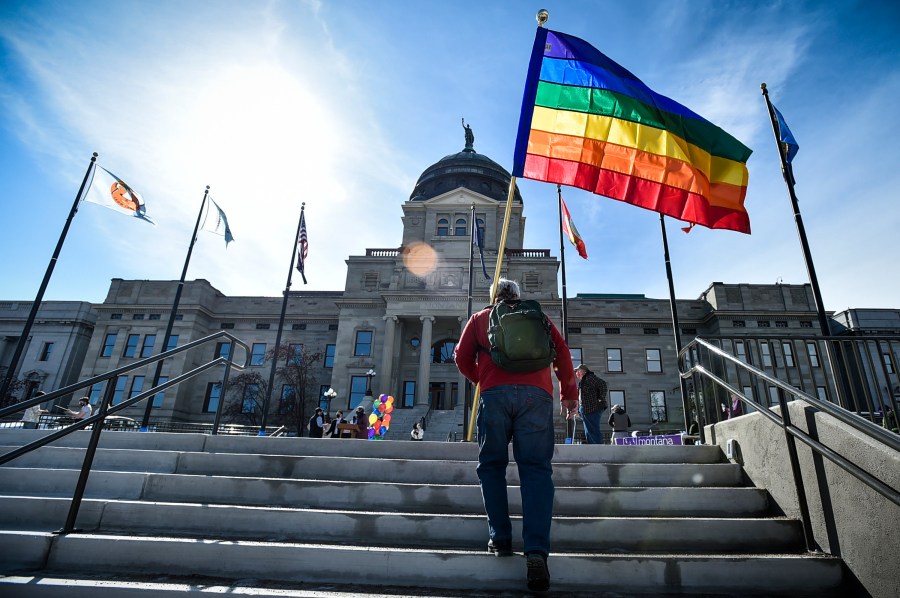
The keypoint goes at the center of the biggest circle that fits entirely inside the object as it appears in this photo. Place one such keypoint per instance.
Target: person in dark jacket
(620, 423)
(316, 424)
(362, 423)
(592, 403)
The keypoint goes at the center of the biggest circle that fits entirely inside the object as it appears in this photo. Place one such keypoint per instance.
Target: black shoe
(500, 548)
(538, 574)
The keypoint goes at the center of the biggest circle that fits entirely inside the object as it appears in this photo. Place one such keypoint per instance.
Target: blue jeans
(592, 432)
(523, 414)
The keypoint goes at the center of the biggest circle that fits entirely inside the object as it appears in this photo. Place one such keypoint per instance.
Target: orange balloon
(389, 408)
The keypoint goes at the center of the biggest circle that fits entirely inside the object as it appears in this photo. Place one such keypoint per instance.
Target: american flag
(302, 247)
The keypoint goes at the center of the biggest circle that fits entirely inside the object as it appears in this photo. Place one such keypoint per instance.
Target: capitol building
(393, 326)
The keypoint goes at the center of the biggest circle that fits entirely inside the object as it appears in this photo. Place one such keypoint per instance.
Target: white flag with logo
(109, 190)
(216, 222)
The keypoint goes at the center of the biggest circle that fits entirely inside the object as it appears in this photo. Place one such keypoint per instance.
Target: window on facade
(658, 411)
(251, 398)
(780, 324)
(575, 352)
(805, 324)
(295, 355)
(762, 323)
(109, 341)
(617, 397)
(115, 316)
(442, 352)
(119, 393)
(813, 351)
(738, 323)
(443, 227)
(179, 317)
(324, 404)
(766, 351)
(822, 393)
(409, 393)
(46, 350)
(95, 393)
(614, 360)
(137, 316)
(689, 331)
(286, 402)
(357, 391)
(222, 350)
(263, 326)
(131, 345)
(173, 342)
(154, 316)
(329, 356)
(788, 351)
(611, 331)
(888, 361)
(481, 229)
(574, 329)
(159, 397)
(137, 385)
(460, 230)
(227, 326)
(147, 347)
(258, 354)
(740, 351)
(651, 330)
(332, 327)
(298, 326)
(213, 394)
(654, 360)
(773, 395)
(363, 345)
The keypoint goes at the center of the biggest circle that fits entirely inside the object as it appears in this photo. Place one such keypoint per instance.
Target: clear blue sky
(343, 104)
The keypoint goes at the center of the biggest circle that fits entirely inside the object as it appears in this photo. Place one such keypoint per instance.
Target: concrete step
(741, 574)
(395, 470)
(399, 529)
(428, 450)
(426, 497)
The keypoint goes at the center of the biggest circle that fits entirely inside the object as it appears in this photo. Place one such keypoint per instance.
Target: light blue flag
(216, 222)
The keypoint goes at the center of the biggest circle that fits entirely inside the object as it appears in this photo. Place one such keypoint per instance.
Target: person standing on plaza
(362, 424)
(316, 424)
(620, 423)
(517, 407)
(592, 403)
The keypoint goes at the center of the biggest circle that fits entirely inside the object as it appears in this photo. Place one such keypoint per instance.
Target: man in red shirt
(517, 407)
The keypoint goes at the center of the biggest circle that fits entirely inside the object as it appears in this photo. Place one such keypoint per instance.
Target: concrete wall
(849, 519)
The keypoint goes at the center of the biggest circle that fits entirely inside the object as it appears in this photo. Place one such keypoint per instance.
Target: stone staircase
(167, 513)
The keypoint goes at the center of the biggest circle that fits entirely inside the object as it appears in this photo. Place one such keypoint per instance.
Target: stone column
(387, 354)
(424, 361)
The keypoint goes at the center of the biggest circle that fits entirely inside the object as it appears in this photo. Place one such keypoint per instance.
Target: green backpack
(519, 335)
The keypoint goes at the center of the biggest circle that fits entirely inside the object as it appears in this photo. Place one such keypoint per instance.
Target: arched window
(480, 225)
(460, 230)
(442, 351)
(443, 227)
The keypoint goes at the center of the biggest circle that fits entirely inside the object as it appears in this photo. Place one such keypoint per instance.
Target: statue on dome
(470, 136)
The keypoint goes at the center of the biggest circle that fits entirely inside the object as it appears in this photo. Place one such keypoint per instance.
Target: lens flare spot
(420, 259)
(697, 479)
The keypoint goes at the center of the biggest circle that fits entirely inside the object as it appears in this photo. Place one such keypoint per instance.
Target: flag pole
(468, 396)
(788, 174)
(145, 422)
(501, 249)
(36, 304)
(675, 325)
(562, 259)
(284, 303)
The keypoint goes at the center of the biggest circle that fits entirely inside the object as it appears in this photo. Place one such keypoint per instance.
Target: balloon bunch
(380, 419)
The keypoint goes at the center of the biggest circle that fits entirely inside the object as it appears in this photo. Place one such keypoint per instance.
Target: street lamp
(369, 375)
(329, 396)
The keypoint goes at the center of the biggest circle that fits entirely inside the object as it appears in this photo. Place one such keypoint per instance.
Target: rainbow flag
(589, 123)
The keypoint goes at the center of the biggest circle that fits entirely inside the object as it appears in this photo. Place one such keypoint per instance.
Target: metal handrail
(859, 423)
(105, 410)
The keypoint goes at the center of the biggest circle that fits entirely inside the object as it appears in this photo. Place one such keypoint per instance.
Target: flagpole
(562, 259)
(497, 269)
(284, 303)
(675, 325)
(36, 304)
(787, 173)
(468, 396)
(145, 422)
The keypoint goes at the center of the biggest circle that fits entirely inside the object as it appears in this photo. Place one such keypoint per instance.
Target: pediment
(461, 197)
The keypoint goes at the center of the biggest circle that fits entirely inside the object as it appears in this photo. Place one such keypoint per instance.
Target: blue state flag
(785, 137)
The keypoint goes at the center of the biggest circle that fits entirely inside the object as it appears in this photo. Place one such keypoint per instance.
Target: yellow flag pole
(500, 251)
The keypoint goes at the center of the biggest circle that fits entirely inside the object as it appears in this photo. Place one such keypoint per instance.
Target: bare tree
(248, 391)
(298, 393)
(15, 385)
